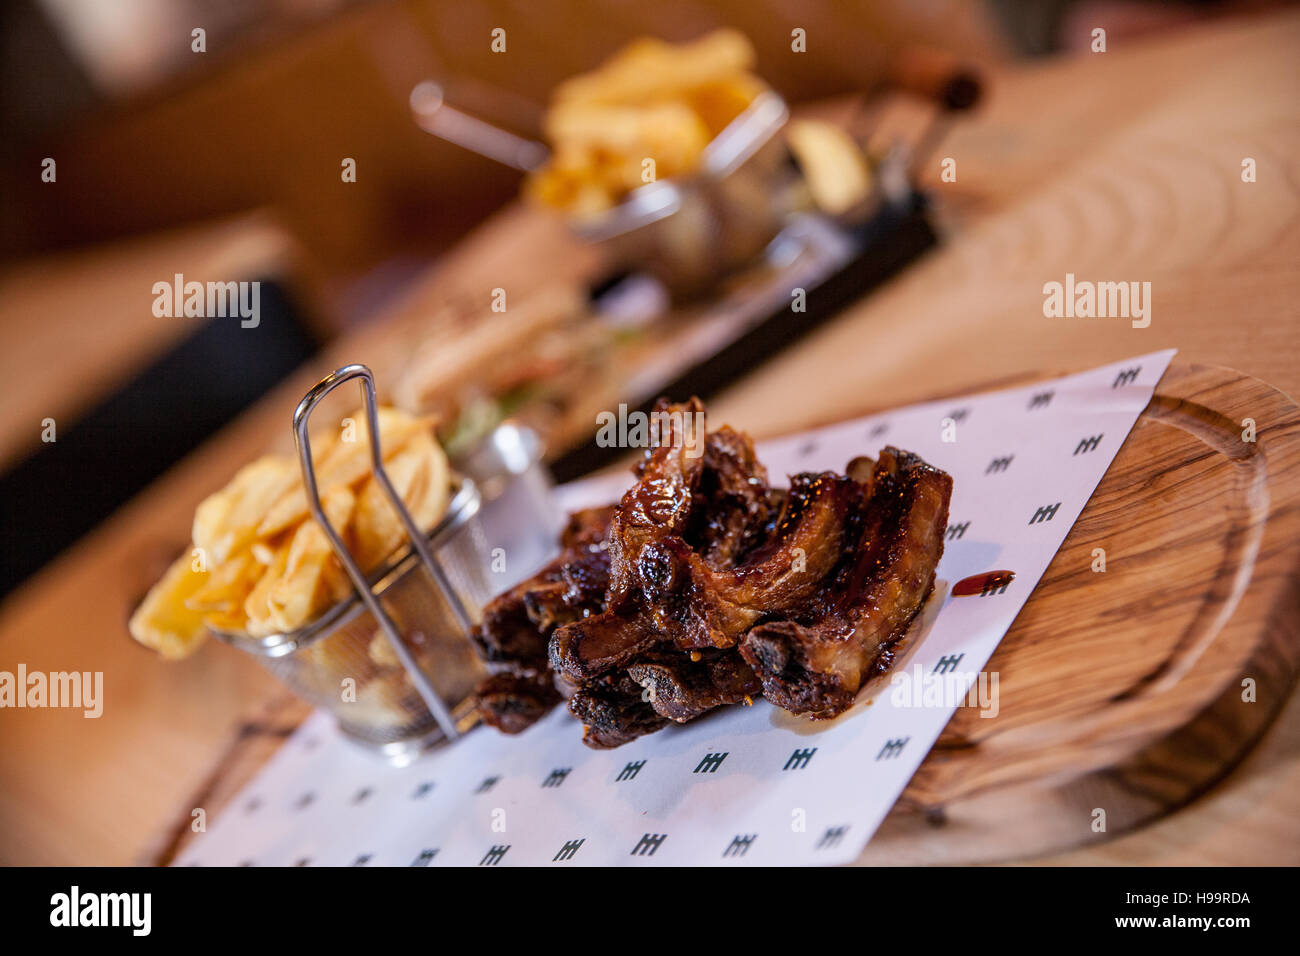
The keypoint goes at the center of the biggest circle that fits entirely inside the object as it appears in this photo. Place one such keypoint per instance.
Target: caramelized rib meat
(601, 643)
(734, 508)
(705, 586)
(518, 623)
(613, 711)
(681, 688)
(692, 508)
(587, 527)
(699, 606)
(684, 600)
(575, 592)
(660, 502)
(513, 702)
(509, 635)
(813, 662)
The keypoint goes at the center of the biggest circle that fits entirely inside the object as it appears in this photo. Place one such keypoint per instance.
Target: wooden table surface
(1117, 166)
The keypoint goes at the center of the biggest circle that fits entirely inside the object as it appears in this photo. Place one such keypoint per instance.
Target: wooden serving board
(1120, 690)
(1123, 691)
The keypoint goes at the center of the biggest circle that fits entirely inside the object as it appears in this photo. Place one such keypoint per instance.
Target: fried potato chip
(651, 101)
(672, 134)
(227, 586)
(621, 140)
(342, 656)
(381, 651)
(230, 621)
(428, 506)
(421, 477)
(299, 595)
(719, 102)
(346, 463)
(162, 621)
(379, 532)
(228, 520)
(337, 583)
(378, 699)
(648, 69)
(257, 607)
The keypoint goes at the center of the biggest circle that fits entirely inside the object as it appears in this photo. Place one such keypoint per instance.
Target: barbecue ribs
(706, 586)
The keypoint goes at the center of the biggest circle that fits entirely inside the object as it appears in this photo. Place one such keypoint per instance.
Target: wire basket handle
(301, 416)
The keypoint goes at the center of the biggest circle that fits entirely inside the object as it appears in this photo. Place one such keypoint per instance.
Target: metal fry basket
(392, 661)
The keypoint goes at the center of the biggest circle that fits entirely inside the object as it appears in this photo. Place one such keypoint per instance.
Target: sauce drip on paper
(987, 582)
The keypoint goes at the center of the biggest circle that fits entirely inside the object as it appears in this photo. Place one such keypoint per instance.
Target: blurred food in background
(678, 163)
(648, 112)
(479, 368)
(834, 166)
(160, 135)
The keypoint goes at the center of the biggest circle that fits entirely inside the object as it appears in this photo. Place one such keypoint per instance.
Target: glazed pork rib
(512, 702)
(513, 638)
(705, 586)
(813, 660)
(679, 597)
(517, 624)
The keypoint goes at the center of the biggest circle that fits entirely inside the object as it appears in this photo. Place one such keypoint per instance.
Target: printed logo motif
(739, 844)
(568, 850)
(1045, 513)
(710, 763)
(556, 777)
(493, 856)
(649, 844)
(947, 663)
(832, 837)
(629, 771)
(799, 759)
(892, 748)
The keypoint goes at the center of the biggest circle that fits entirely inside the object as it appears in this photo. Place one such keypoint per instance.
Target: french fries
(651, 101)
(227, 521)
(261, 565)
(650, 69)
(343, 463)
(292, 599)
(420, 476)
(164, 621)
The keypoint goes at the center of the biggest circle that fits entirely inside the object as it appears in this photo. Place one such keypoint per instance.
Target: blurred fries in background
(651, 101)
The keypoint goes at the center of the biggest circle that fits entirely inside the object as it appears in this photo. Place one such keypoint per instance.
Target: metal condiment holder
(301, 416)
